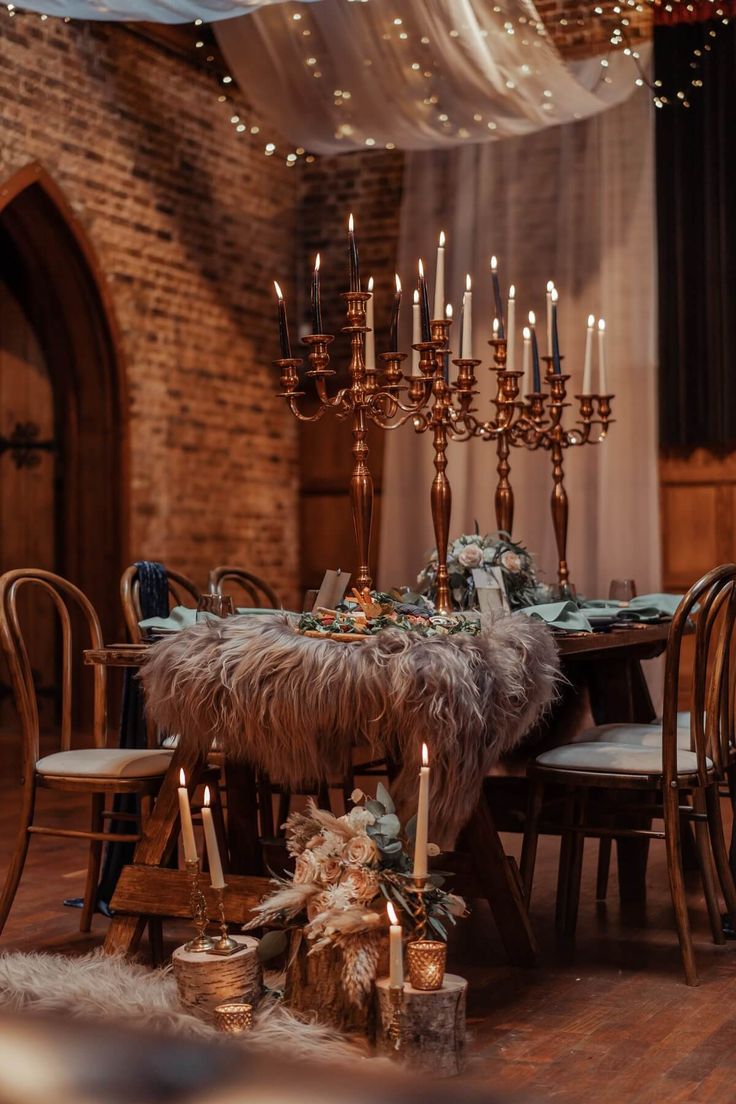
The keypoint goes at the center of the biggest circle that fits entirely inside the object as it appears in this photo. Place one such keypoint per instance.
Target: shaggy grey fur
(295, 705)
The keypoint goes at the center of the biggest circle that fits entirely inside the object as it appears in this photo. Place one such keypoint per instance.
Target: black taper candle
(284, 343)
(316, 299)
(498, 301)
(395, 308)
(555, 340)
(536, 378)
(424, 305)
(353, 257)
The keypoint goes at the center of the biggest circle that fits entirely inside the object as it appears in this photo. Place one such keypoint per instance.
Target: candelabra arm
(294, 408)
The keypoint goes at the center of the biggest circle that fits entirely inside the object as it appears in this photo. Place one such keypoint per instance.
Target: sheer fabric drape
(575, 204)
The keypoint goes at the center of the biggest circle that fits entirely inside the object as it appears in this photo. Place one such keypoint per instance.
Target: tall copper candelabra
(366, 399)
(532, 422)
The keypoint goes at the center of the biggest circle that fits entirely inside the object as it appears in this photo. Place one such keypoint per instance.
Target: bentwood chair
(676, 780)
(182, 592)
(93, 769)
(259, 594)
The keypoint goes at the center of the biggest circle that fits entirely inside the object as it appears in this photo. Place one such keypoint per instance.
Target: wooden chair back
(67, 601)
(711, 605)
(182, 592)
(260, 594)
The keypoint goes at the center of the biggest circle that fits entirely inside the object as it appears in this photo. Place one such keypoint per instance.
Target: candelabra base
(202, 944)
(224, 947)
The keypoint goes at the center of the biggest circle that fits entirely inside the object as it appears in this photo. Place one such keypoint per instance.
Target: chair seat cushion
(637, 735)
(609, 758)
(106, 763)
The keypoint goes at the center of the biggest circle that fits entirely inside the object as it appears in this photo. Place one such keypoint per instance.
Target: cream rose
(511, 561)
(471, 556)
(329, 870)
(318, 904)
(362, 883)
(362, 850)
(306, 868)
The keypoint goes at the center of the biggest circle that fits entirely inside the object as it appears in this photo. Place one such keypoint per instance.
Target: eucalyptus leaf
(434, 922)
(392, 847)
(376, 808)
(389, 824)
(384, 797)
(410, 831)
(399, 897)
(271, 945)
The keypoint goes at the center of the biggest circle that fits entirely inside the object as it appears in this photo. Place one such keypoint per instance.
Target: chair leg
(563, 870)
(535, 801)
(323, 797)
(265, 807)
(156, 939)
(284, 806)
(17, 862)
(604, 868)
(670, 802)
(93, 864)
(707, 873)
(717, 842)
(577, 847)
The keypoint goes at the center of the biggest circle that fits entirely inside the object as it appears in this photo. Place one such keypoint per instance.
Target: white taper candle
(510, 328)
(396, 950)
(213, 851)
(603, 381)
(416, 333)
(467, 346)
(439, 278)
(370, 337)
(422, 836)
(588, 360)
(185, 815)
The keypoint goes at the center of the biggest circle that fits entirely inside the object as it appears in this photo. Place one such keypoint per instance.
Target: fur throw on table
(295, 706)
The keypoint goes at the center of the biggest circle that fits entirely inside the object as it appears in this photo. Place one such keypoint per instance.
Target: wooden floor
(615, 1023)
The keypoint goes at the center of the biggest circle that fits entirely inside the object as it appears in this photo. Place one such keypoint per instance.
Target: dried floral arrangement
(369, 612)
(346, 867)
(470, 551)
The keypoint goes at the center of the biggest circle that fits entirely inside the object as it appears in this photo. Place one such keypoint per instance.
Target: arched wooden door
(61, 425)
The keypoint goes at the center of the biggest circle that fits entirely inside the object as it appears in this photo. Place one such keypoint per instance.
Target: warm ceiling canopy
(157, 11)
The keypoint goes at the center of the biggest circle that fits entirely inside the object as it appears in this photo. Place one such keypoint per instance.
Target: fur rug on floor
(295, 706)
(99, 987)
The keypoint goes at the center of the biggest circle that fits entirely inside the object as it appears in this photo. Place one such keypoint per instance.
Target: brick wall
(190, 222)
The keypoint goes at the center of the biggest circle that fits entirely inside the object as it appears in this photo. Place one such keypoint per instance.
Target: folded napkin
(183, 617)
(569, 617)
(560, 615)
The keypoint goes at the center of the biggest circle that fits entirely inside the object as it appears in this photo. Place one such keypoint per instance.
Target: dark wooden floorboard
(614, 1023)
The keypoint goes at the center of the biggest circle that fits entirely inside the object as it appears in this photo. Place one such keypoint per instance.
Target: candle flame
(532, 318)
(601, 324)
(398, 283)
(494, 263)
(206, 798)
(425, 755)
(416, 295)
(392, 917)
(448, 310)
(421, 269)
(527, 333)
(370, 283)
(512, 291)
(442, 239)
(553, 295)
(495, 325)
(316, 263)
(591, 321)
(468, 284)
(182, 778)
(279, 292)
(351, 224)
(550, 286)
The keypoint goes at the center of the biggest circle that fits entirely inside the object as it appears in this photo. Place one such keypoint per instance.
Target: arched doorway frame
(76, 324)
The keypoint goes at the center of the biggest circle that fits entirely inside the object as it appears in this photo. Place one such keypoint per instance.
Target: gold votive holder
(234, 1018)
(426, 960)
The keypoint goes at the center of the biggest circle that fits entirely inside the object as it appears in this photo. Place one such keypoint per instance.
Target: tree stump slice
(206, 980)
(432, 1027)
(314, 988)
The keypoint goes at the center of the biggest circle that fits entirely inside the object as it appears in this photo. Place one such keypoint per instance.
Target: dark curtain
(696, 217)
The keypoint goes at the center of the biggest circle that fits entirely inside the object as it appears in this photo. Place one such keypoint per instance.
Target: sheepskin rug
(98, 987)
(295, 706)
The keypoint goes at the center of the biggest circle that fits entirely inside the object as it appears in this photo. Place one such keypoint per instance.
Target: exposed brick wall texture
(190, 222)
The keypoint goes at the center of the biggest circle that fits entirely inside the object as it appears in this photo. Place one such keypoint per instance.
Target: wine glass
(622, 591)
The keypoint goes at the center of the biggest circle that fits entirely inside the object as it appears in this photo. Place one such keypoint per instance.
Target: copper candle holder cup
(426, 959)
(234, 1018)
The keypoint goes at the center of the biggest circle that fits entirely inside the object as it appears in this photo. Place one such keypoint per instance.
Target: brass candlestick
(367, 399)
(198, 906)
(224, 945)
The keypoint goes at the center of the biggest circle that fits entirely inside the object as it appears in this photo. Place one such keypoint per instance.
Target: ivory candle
(185, 815)
(439, 278)
(588, 361)
(510, 326)
(416, 333)
(213, 851)
(550, 289)
(466, 349)
(422, 836)
(448, 316)
(396, 950)
(602, 381)
(370, 337)
(526, 361)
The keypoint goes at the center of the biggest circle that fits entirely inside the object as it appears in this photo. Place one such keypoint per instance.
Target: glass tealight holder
(234, 1018)
(426, 960)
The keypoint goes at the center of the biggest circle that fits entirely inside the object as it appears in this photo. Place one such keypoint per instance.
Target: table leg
(242, 818)
(158, 838)
(501, 886)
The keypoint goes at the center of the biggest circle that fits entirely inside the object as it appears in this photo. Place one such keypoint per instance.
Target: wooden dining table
(604, 682)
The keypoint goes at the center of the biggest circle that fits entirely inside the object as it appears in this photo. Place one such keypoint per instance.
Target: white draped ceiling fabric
(568, 195)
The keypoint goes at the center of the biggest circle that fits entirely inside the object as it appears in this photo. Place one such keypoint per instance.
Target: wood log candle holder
(314, 986)
(205, 981)
(432, 1027)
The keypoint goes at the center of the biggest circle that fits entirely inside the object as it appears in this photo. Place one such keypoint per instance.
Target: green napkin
(183, 617)
(647, 607)
(560, 615)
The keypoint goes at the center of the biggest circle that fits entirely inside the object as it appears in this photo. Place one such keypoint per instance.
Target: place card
(332, 589)
(489, 584)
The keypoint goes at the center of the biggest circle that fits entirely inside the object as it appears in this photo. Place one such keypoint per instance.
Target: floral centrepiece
(497, 550)
(369, 613)
(346, 868)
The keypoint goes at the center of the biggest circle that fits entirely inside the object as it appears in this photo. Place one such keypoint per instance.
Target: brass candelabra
(373, 395)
